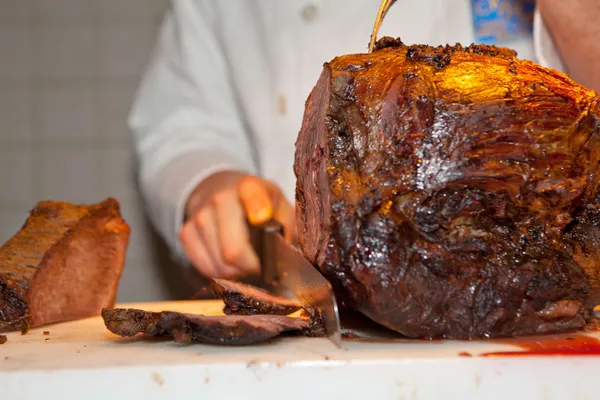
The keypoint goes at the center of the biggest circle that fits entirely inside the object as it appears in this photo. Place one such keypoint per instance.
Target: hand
(215, 236)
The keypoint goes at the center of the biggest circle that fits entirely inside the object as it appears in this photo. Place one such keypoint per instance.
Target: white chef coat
(227, 83)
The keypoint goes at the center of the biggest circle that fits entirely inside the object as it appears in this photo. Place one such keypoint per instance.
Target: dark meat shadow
(141, 340)
(357, 327)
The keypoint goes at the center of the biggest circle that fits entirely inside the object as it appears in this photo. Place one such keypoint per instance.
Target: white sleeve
(185, 121)
(546, 53)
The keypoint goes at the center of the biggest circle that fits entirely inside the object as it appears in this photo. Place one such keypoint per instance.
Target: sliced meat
(222, 329)
(64, 264)
(244, 299)
(3, 339)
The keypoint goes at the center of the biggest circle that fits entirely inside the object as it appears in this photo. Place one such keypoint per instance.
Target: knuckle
(201, 218)
(221, 198)
(246, 178)
(233, 254)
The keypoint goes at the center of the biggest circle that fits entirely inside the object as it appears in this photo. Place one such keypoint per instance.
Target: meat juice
(571, 345)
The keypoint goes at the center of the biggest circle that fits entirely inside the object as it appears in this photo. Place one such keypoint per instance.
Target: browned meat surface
(222, 329)
(64, 264)
(2, 339)
(244, 299)
(452, 192)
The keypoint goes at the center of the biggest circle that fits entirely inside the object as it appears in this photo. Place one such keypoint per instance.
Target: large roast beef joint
(452, 192)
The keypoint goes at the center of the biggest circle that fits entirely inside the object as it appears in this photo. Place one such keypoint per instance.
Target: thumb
(256, 200)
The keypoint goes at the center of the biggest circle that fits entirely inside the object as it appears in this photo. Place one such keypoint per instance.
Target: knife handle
(265, 248)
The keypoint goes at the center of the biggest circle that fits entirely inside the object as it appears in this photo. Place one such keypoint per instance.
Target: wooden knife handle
(265, 248)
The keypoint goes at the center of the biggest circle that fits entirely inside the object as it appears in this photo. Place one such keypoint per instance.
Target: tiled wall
(68, 72)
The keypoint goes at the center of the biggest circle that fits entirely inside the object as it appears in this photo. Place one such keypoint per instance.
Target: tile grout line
(33, 111)
(97, 102)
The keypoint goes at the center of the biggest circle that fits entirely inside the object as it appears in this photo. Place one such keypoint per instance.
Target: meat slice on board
(244, 299)
(452, 192)
(214, 329)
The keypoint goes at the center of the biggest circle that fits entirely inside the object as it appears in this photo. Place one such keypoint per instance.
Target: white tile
(114, 104)
(64, 112)
(68, 174)
(116, 174)
(125, 49)
(63, 10)
(63, 51)
(15, 114)
(14, 10)
(15, 52)
(118, 10)
(11, 220)
(16, 175)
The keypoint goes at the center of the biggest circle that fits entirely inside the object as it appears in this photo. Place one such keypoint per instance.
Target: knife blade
(286, 269)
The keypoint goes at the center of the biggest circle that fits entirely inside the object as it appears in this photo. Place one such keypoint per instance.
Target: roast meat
(215, 329)
(452, 192)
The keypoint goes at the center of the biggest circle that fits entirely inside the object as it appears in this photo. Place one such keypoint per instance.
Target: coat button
(309, 12)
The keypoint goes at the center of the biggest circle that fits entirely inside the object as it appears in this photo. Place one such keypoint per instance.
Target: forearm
(576, 31)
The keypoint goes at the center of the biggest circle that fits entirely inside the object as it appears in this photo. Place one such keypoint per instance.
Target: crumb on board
(46, 333)
(158, 379)
(465, 354)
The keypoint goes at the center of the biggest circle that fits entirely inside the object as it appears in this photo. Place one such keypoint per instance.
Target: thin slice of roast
(244, 299)
(220, 329)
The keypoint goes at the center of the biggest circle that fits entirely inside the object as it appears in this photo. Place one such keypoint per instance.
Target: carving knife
(286, 269)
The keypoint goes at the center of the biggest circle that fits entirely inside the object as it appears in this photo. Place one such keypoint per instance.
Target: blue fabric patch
(498, 21)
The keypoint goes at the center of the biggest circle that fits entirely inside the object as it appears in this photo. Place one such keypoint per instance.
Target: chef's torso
(276, 51)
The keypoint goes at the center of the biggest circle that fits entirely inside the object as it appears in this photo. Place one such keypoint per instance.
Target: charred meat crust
(244, 299)
(452, 191)
(425, 53)
(220, 330)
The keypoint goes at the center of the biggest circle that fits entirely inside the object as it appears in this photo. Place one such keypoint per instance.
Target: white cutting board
(82, 360)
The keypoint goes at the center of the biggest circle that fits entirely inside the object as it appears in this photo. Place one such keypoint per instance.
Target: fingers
(208, 228)
(234, 235)
(256, 199)
(216, 238)
(195, 249)
(203, 248)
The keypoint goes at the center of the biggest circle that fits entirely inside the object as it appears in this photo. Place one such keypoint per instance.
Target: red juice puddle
(568, 345)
